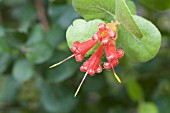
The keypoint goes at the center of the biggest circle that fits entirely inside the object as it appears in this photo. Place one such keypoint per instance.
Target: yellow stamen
(118, 79)
(112, 26)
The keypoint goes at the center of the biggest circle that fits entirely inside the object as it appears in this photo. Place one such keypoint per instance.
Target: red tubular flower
(110, 51)
(112, 55)
(80, 49)
(92, 65)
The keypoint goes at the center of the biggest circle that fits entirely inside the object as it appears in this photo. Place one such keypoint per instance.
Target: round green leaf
(36, 35)
(134, 90)
(82, 31)
(55, 36)
(39, 53)
(4, 61)
(148, 107)
(62, 15)
(92, 9)
(22, 70)
(67, 17)
(124, 15)
(26, 20)
(57, 99)
(38, 49)
(142, 49)
(8, 89)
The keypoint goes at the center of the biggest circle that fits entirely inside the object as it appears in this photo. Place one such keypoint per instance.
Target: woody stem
(61, 61)
(42, 14)
(81, 84)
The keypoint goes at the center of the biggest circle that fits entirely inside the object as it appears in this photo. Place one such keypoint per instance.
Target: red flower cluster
(106, 36)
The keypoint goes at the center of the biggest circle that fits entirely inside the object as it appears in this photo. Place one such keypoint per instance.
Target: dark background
(32, 37)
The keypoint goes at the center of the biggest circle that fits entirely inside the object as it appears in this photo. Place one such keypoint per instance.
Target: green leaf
(134, 90)
(161, 95)
(82, 31)
(22, 70)
(156, 4)
(124, 15)
(62, 15)
(2, 31)
(26, 20)
(142, 49)
(38, 49)
(163, 89)
(163, 103)
(148, 107)
(4, 61)
(55, 36)
(4, 45)
(36, 35)
(39, 52)
(67, 17)
(57, 99)
(131, 6)
(55, 11)
(92, 9)
(8, 90)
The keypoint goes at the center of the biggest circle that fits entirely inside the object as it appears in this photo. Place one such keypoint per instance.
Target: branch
(42, 14)
(0, 18)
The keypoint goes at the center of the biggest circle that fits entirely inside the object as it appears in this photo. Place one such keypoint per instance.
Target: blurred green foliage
(27, 49)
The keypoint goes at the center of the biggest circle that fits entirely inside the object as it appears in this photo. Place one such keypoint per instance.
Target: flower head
(112, 55)
(107, 36)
